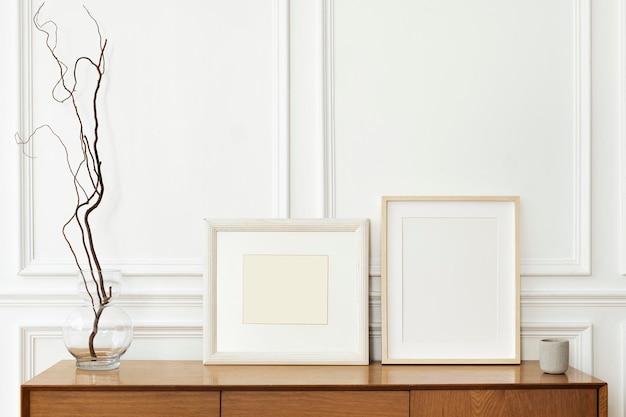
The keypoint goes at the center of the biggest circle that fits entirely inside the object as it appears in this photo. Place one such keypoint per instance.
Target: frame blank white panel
(450, 283)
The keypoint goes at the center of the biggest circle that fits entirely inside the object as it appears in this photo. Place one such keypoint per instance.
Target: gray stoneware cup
(554, 355)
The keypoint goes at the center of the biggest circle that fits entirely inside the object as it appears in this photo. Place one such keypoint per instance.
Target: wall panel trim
(329, 108)
(31, 266)
(565, 298)
(622, 134)
(59, 299)
(580, 261)
(580, 336)
(282, 108)
(26, 129)
(539, 298)
(31, 334)
(29, 337)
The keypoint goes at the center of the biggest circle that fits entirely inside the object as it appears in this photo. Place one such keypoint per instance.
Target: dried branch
(87, 177)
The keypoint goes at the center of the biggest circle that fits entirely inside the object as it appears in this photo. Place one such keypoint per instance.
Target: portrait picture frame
(450, 280)
(286, 291)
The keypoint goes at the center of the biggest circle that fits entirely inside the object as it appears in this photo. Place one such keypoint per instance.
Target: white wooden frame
(450, 280)
(342, 339)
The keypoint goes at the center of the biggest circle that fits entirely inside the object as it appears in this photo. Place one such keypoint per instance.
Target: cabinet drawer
(315, 403)
(509, 403)
(124, 403)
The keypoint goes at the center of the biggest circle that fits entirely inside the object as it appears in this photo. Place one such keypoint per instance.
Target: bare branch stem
(86, 173)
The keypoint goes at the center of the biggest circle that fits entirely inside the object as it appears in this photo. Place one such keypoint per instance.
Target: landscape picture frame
(256, 313)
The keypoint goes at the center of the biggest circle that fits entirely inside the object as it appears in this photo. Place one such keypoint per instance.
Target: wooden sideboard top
(193, 375)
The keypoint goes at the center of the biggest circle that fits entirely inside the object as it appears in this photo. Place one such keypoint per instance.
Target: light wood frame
(342, 339)
(450, 280)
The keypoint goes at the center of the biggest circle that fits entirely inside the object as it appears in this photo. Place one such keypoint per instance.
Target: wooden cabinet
(188, 388)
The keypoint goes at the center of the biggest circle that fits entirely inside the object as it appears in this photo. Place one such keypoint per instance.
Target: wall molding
(557, 299)
(622, 134)
(282, 108)
(328, 100)
(129, 267)
(623, 355)
(538, 298)
(573, 298)
(32, 334)
(30, 265)
(580, 261)
(61, 299)
(580, 336)
(26, 129)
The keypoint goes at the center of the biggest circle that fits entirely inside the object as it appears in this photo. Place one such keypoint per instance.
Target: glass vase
(98, 332)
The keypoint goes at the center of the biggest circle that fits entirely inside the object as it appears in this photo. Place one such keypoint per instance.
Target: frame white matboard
(286, 291)
(450, 280)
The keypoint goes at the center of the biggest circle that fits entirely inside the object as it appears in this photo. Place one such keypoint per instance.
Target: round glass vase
(98, 332)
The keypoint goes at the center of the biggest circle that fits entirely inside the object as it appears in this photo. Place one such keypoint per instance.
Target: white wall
(318, 108)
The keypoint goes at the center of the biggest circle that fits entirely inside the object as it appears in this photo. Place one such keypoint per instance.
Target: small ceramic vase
(554, 355)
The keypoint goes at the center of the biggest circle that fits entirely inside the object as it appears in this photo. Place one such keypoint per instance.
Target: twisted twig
(86, 174)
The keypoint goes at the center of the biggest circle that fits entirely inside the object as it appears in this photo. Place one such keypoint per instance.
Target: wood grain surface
(189, 388)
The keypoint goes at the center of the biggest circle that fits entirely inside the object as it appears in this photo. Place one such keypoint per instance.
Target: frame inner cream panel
(285, 289)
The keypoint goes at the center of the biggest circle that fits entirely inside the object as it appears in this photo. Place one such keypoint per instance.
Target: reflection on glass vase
(98, 333)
